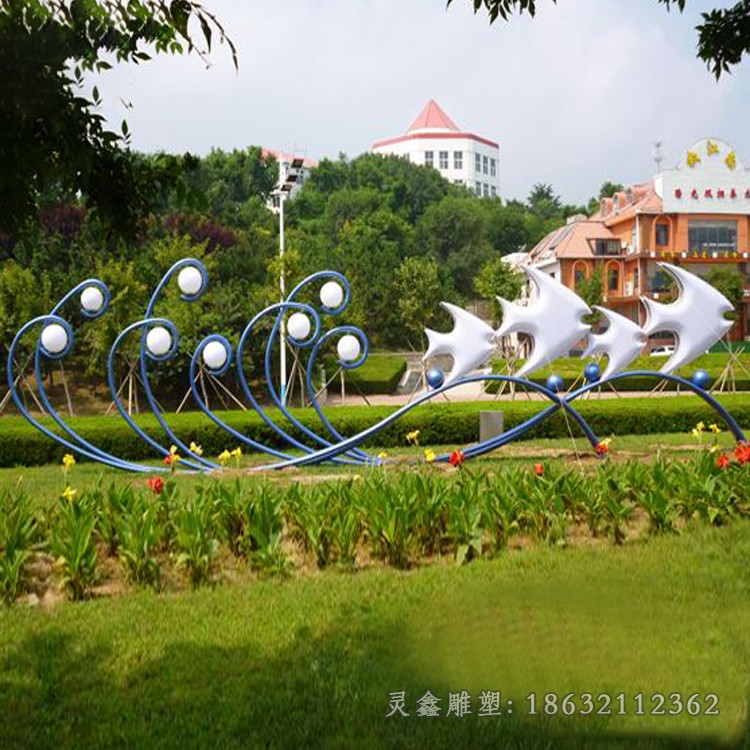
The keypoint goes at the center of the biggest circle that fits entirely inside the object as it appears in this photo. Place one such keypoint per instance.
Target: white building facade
(434, 140)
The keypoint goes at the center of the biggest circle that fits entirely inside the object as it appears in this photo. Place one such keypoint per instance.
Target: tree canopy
(54, 144)
(723, 35)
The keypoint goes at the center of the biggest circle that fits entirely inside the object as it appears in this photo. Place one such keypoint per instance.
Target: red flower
(539, 469)
(723, 461)
(168, 460)
(457, 458)
(156, 485)
(742, 452)
(602, 449)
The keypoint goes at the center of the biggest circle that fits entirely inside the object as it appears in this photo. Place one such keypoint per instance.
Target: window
(443, 160)
(458, 160)
(486, 190)
(429, 157)
(493, 167)
(458, 182)
(478, 162)
(606, 247)
(485, 164)
(613, 279)
(636, 281)
(493, 191)
(712, 236)
(478, 188)
(662, 235)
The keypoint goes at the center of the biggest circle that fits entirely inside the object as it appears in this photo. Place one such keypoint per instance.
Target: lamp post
(289, 173)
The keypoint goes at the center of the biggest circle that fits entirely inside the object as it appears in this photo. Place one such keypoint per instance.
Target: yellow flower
(68, 462)
(715, 429)
(70, 494)
(713, 449)
(382, 456)
(429, 455)
(692, 158)
(605, 442)
(731, 160)
(711, 148)
(412, 437)
(196, 449)
(224, 456)
(700, 427)
(237, 452)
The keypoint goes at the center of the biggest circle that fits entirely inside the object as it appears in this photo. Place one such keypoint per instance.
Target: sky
(575, 96)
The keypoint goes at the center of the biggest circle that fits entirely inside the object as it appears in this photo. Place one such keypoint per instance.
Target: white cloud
(575, 96)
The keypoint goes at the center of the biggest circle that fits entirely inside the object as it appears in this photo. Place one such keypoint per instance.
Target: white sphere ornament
(348, 348)
(92, 299)
(331, 294)
(298, 326)
(158, 341)
(54, 338)
(215, 355)
(190, 281)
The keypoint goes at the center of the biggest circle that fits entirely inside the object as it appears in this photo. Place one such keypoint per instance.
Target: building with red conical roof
(434, 140)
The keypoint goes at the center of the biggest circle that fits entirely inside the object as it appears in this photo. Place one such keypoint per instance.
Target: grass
(310, 662)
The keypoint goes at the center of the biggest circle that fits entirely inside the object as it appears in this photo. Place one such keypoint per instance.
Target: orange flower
(156, 485)
(602, 449)
(539, 469)
(723, 461)
(457, 458)
(742, 452)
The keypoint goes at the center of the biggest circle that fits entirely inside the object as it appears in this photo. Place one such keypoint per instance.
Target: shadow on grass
(64, 691)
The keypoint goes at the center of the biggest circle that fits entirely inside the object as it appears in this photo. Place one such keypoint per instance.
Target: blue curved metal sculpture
(215, 356)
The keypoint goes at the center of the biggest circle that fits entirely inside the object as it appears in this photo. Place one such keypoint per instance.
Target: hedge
(571, 368)
(380, 373)
(439, 424)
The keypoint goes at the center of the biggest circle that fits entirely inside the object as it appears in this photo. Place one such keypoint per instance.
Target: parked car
(662, 351)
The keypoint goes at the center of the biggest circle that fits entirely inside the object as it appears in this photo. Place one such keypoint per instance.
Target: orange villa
(696, 215)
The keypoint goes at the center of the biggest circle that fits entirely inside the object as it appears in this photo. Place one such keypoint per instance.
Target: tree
(543, 202)
(419, 291)
(53, 142)
(730, 284)
(496, 279)
(591, 291)
(723, 37)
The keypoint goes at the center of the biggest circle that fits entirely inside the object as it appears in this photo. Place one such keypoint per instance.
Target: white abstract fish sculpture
(696, 317)
(553, 320)
(622, 342)
(469, 344)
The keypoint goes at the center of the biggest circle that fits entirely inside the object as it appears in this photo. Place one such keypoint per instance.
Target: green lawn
(310, 662)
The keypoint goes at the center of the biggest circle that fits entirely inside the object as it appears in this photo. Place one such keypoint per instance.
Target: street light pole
(282, 286)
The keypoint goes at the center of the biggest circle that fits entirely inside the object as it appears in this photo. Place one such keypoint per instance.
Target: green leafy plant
(73, 545)
(18, 525)
(196, 539)
(139, 533)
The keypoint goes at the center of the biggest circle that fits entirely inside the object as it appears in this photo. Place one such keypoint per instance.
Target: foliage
(419, 290)
(496, 279)
(196, 539)
(730, 283)
(18, 528)
(73, 545)
(722, 36)
(47, 48)
(139, 534)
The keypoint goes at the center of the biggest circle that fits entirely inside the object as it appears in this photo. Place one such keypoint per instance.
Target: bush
(439, 424)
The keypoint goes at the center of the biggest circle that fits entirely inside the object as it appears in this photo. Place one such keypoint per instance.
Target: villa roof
(574, 240)
(642, 199)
